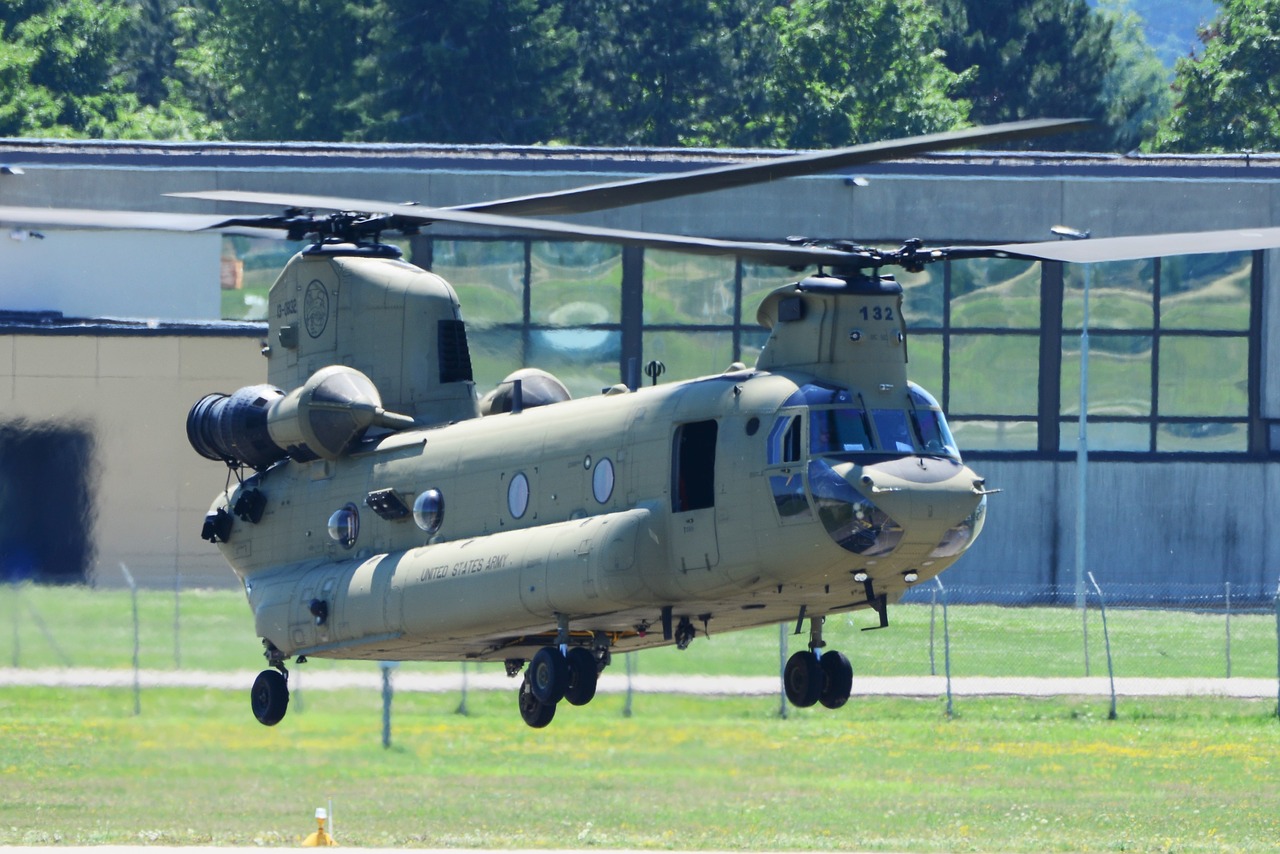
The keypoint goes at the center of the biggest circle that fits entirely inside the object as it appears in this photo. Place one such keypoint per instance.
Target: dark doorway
(693, 466)
(47, 476)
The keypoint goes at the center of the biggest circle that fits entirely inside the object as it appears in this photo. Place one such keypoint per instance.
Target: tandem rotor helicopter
(381, 509)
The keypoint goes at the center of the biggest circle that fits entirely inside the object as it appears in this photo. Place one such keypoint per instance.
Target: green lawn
(892, 775)
(79, 626)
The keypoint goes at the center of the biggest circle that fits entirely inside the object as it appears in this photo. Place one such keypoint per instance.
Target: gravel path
(616, 683)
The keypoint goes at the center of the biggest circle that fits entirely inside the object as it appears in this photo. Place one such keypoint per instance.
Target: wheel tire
(534, 712)
(548, 675)
(269, 697)
(803, 679)
(839, 679)
(583, 675)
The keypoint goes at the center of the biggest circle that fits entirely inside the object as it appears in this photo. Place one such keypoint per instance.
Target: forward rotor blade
(75, 218)
(1100, 249)
(781, 254)
(651, 189)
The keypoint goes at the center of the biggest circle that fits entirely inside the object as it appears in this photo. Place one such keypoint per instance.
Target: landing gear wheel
(839, 679)
(803, 679)
(535, 713)
(583, 674)
(548, 675)
(269, 697)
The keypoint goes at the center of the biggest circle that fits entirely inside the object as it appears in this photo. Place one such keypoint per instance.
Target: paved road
(616, 683)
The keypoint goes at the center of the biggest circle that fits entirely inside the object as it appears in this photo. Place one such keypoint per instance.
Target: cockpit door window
(784, 441)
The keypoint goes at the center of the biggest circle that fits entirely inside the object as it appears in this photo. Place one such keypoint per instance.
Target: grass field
(78, 767)
(896, 775)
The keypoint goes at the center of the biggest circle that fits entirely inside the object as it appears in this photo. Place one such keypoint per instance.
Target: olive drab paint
(392, 520)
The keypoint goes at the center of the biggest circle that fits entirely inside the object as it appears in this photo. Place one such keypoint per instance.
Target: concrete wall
(132, 393)
(1158, 526)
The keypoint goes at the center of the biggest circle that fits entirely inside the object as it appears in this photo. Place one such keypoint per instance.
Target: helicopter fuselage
(527, 527)
(722, 499)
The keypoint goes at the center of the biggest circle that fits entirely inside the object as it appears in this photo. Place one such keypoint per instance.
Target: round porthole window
(428, 510)
(602, 480)
(518, 495)
(344, 526)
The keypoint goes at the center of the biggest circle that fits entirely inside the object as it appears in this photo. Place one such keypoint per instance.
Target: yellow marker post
(320, 836)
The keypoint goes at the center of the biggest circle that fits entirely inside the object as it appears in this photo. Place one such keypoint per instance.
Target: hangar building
(107, 338)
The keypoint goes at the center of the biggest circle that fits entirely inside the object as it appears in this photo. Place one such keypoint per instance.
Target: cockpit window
(935, 436)
(838, 430)
(840, 423)
(895, 435)
(930, 424)
(784, 440)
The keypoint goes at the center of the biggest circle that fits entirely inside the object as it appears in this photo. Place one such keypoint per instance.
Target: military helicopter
(382, 509)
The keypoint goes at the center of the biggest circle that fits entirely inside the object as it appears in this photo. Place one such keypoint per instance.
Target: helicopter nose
(932, 507)
(941, 503)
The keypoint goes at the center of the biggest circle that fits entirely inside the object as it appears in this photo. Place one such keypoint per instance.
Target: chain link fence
(941, 640)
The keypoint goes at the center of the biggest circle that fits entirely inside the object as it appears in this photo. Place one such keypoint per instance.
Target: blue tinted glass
(895, 435)
(838, 430)
(935, 437)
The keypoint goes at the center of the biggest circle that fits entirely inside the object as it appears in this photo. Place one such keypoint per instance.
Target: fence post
(133, 595)
(462, 706)
(782, 671)
(1106, 639)
(1228, 629)
(1084, 629)
(177, 620)
(386, 702)
(1277, 606)
(629, 659)
(946, 644)
(933, 608)
(17, 636)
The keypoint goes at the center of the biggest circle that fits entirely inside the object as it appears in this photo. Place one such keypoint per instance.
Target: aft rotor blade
(781, 254)
(651, 189)
(1094, 250)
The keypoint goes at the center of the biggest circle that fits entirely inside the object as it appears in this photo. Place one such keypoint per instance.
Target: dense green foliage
(806, 73)
(1227, 96)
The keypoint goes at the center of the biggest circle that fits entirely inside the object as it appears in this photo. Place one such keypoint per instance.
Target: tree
(1028, 59)
(63, 73)
(852, 71)
(273, 69)
(1228, 99)
(472, 71)
(665, 72)
(1137, 90)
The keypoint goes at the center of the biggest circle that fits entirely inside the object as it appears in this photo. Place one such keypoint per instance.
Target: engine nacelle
(260, 425)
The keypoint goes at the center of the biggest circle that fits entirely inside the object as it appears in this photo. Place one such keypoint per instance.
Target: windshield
(840, 424)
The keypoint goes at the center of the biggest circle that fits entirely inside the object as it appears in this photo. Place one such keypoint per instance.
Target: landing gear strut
(556, 675)
(813, 676)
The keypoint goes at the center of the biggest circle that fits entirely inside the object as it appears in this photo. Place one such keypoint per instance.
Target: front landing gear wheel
(535, 713)
(269, 697)
(803, 679)
(839, 679)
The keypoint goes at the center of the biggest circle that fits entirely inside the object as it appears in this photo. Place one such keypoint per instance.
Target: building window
(997, 341)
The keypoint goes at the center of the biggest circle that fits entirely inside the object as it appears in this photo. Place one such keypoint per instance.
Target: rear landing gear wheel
(583, 675)
(803, 679)
(839, 679)
(269, 697)
(548, 675)
(534, 712)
